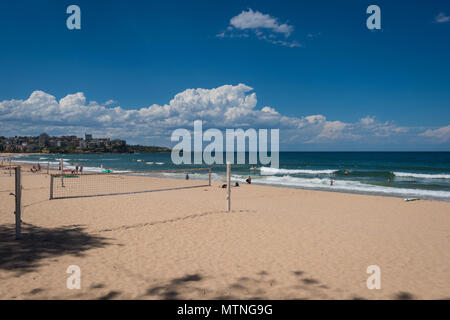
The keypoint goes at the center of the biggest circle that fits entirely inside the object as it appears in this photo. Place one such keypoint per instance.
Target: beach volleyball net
(6, 169)
(65, 185)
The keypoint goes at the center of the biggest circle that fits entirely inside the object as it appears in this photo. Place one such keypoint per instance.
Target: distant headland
(72, 144)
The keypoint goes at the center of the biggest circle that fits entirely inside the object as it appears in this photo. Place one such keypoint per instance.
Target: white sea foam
(324, 184)
(66, 165)
(52, 163)
(272, 171)
(422, 175)
(97, 169)
(348, 185)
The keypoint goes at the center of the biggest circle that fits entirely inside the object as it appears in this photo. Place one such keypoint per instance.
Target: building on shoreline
(47, 144)
(71, 144)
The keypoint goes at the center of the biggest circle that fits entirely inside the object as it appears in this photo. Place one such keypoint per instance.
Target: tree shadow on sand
(171, 290)
(40, 243)
(260, 286)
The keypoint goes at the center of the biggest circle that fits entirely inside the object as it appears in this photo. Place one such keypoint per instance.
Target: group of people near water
(76, 170)
(248, 180)
(36, 168)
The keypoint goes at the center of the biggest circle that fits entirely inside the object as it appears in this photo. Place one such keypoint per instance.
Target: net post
(228, 186)
(48, 167)
(61, 164)
(209, 179)
(51, 187)
(18, 202)
(10, 167)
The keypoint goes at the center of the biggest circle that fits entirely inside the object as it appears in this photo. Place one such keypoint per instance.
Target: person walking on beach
(81, 169)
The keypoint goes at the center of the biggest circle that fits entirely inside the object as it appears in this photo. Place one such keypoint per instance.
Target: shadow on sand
(257, 287)
(40, 243)
(171, 290)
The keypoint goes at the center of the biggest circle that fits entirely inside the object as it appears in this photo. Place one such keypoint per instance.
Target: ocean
(425, 175)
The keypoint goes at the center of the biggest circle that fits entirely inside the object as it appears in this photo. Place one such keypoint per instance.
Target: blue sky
(135, 54)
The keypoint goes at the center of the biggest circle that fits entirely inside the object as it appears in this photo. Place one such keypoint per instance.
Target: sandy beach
(276, 243)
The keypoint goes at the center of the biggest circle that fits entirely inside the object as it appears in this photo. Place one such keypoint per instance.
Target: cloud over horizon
(227, 106)
(441, 134)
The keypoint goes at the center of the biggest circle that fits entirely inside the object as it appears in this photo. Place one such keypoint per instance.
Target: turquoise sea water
(425, 175)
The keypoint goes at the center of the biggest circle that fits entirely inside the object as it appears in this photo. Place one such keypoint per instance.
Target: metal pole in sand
(61, 164)
(228, 186)
(18, 203)
(10, 167)
(51, 186)
(209, 171)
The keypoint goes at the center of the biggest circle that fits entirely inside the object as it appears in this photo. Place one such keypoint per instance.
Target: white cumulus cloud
(441, 134)
(227, 106)
(263, 26)
(256, 20)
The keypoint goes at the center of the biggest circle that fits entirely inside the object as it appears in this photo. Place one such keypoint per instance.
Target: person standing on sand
(81, 169)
